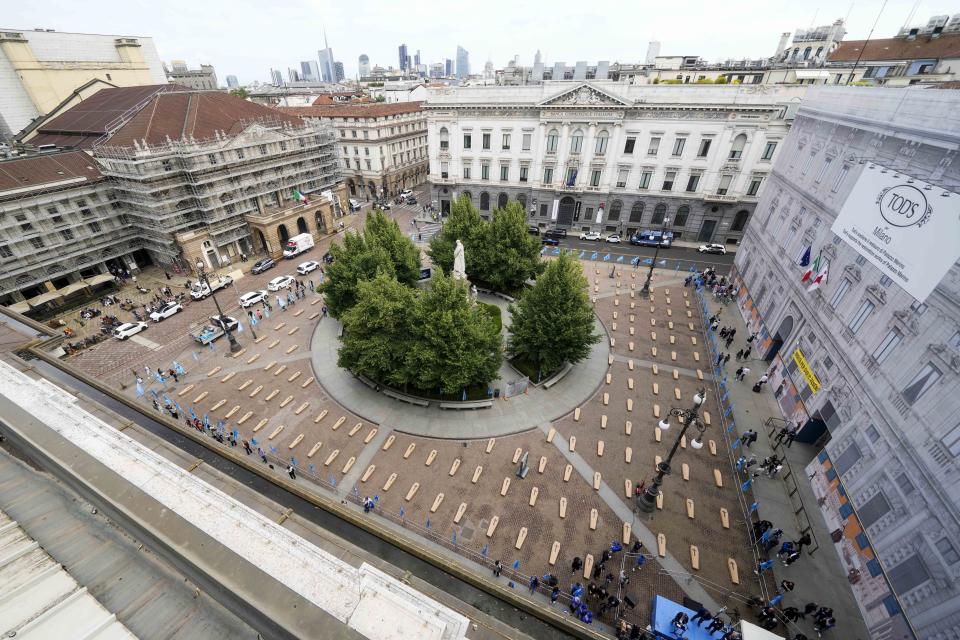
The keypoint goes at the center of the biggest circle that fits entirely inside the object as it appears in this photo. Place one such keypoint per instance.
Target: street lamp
(647, 501)
(646, 285)
(202, 274)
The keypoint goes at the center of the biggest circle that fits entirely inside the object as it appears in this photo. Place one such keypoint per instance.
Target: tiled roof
(47, 169)
(175, 113)
(370, 110)
(922, 48)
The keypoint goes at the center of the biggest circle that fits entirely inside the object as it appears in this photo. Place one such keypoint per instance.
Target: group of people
(714, 622)
(297, 292)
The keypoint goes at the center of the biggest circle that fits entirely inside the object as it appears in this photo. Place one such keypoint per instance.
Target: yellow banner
(811, 379)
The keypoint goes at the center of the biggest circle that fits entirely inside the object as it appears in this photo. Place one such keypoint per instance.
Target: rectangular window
(505, 143)
(526, 141)
(921, 383)
(704, 147)
(951, 441)
(861, 316)
(486, 141)
(366, 151)
(873, 509)
(905, 485)
(467, 141)
(38, 242)
(768, 151)
(629, 145)
(524, 173)
(724, 185)
(212, 158)
(887, 345)
(504, 172)
(595, 177)
(67, 234)
(263, 149)
(94, 227)
(368, 164)
(571, 177)
(5, 251)
(600, 146)
(693, 182)
(544, 210)
(548, 175)
(845, 461)
(466, 172)
(841, 176)
(654, 147)
(484, 172)
(946, 550)
(680, 219)
(552, 141)
(754, 187)
(908, 575)
(823, 170)
(622, 176)
(668, 181)
(645, 180)
(678, 145)
(872, 433)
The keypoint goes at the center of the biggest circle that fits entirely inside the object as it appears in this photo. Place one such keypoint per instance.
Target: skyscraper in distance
(402, 50)
(463, 62)
(363, 67)
(232, 82)
(327, 71)
(416, 59)
(448, 68)
(537, 58)
(276, 77)
(309, 71)
(338, 73)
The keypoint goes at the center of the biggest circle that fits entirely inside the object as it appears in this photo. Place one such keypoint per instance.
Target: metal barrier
(793, 489)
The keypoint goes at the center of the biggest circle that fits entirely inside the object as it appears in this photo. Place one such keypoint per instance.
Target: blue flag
(594, 255)
(313, 469)
(140, 390)
(293, 461)
(239, 327)
(606, 258)
(745, 486)
(253, 320)
(648, 261)
(159, 378)
(556, 251)
(196, 357)
(428, 523)
(635, 261)
(619, 258)
(454, 537)
(516, 564)
(582, 254)
(166, 400)
(273, 450)
(805, 258)
(193, 414)
(154, 394)
(401, 512)
(177, 405)
(206, 421)
(735, 444)
(178, 368)
(485, 551)
(754, 507)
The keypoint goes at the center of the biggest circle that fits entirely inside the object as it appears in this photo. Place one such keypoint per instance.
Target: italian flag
(819, 279)
(812, 271)
(299, 197)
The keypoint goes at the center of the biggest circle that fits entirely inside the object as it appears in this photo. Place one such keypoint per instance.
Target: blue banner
(619, 258)
(606, 258)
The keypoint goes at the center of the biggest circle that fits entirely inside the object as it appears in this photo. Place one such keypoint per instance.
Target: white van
(297, 245)
(354, 205)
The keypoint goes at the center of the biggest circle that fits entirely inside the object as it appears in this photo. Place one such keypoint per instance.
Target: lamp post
(202, 274)
(647, 501)
(646, 285)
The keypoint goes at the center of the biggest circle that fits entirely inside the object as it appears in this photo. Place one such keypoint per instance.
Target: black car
(551, 240)
(411, 200)
(263, 265)
(533, 230)
(328, 257)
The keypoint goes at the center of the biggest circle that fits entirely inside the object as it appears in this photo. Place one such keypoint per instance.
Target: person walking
(791, 434)
(743, 373)
(763, 566)
(497, 569)
(729, 342)
(263, 456)
(246, 447)
(740, 355)
(802, 542)
(763, 380)
(554, 595)
(292, 472)
(576, 565)
(701, 616)
(716, 624)
(719, 359)
(746, 354)
(726, 358)
(749, 437)
(534, 583)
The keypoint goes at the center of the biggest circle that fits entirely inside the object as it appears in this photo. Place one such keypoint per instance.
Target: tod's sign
(907, 228)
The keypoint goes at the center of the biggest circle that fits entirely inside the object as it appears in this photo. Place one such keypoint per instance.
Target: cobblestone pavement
(269, 395)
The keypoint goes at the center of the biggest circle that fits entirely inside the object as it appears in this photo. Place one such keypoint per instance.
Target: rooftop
(367, 110)
(153, 114)
(24, 174)
(920, 48)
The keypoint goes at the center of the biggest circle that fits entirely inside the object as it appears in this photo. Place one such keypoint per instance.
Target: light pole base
(645, 504)
(234, 345)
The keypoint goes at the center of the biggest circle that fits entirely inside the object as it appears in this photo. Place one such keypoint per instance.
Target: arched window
(484, 201)
(796, 52)
(819, 52)
(576, 141)
(615, 207)
(467, 195)
(502, 200)
(740, 220)
(736, 150)
(659, 213)
(636, 212)
(553, 138)
(807, 52)
(680, 220)
(444, 138)
(522, 199)
(600, 147)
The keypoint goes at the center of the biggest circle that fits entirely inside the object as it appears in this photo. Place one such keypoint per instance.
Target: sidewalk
(818, 574)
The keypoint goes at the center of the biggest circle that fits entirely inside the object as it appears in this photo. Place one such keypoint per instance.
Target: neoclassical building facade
(611, 157)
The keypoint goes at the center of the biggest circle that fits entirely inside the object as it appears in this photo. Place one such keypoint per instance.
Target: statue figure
(459, 262)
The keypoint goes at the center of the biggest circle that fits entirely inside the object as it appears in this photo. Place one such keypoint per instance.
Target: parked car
(383, 205)
(550, 240)
(306, 267)
(263, 265)
(354, 205)
(200, 290)
(590, 235)
(614, 237)
(210, 332)
(411, 200)
(328, 257)
(224, 322)
(533, 230)
(166, 311)
(128, 329)
(712, 248)
(252, 298)
(406, 193)
(280, 282)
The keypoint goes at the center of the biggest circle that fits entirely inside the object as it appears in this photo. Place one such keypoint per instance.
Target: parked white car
(166, 311)
(406, 193)
(280, 282)
(128, 329)
(252, 298)
(613, 237)
(713, 248)
(590, 235)
(306, 267)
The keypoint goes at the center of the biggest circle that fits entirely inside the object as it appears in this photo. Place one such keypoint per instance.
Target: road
(671, 258)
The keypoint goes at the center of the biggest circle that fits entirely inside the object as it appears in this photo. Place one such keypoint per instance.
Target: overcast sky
(247, 37)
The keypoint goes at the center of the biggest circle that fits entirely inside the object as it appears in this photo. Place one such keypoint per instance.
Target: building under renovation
(167, 175)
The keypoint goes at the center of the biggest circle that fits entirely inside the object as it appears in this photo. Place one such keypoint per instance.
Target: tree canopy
(381, 248)
(553, 321)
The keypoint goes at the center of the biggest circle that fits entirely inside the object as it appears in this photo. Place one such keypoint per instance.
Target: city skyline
(295, 31)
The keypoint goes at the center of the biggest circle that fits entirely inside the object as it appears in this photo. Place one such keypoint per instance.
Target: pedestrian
(259, 314)
(167, 273)
(534, 583)
(810, 608)
(605, 556)
(729, 342)
(746, 354)
(246, 447)
(781, 434)
(577, 565)
(719, 359)
(802, 542)
(597, 571)
(740, 355)
(715, 625)
(262, 454)
(723, 333)
(763, 566)
(786, 586)
(738, 372)
(743, 374)
(791, 558)
(763, 380)
(792, 614)
(323, 310)
(749, 437)
(554, 595)
(641, 560)
(791, 434)
(732, 332)
(726, 358)
(290, 470)
(280, 304)
(312, 289)
(624, 579)
(497, 569)
(701, 616)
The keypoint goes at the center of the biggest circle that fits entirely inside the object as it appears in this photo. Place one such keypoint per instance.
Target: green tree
(380, 98)
(239, 92)
(465, 224)
(378, 331)
(553, 321)
(381, 248)
(720, 80)
(381, 231)
(455, 346)
(509, 255)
